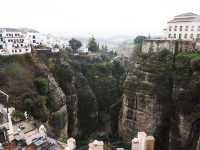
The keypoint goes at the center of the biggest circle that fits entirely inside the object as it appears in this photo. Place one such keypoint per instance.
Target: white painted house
(33, 38)
(184, 26)
(143, 142)
(96, 145)
(13, 41)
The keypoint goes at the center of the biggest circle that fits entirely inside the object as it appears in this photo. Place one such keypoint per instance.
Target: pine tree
(92, 45)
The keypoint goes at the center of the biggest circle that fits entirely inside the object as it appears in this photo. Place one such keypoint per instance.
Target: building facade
(13, 41)
(185, 27)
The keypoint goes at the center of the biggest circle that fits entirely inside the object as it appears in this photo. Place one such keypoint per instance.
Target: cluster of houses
(24, 134)
(15, 41)
(142, 142)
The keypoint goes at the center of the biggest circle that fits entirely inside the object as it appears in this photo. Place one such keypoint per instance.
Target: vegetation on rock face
(189, 55)
(174, 84)
(17, 115)
(94, 84)
(41, 85)
(105, 79)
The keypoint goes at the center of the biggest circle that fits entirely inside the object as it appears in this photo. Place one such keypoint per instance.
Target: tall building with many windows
(185, 27)
(17, 41)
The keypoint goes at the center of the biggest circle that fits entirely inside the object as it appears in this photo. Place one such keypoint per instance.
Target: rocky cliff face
(161, 97)
(72, 96)
(186, 93)
(78, 94)
(51, 90)
(141, 108)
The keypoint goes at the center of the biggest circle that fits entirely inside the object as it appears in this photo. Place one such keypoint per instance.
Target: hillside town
(183, 30)
(14, 41)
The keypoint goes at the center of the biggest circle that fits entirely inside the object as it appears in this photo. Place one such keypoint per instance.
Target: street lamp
(6, 100)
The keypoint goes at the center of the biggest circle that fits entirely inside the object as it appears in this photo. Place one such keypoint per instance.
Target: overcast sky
(93, 17)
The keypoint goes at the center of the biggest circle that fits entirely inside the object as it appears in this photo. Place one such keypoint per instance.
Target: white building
(185, 26)
(143, 142)
(13, 41)
(33, 38)
(71, 144)
(8, 133)
(96, 145)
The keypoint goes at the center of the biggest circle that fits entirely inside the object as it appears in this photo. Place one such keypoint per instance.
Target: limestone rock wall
(162, 98)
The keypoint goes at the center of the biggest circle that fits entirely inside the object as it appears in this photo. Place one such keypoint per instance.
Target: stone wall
(156, 45)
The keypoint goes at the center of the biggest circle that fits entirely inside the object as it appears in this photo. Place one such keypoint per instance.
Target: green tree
(42, 85)
(138, 41)
(117, 70)
(104, 48)
(75, 44)
(92, 45)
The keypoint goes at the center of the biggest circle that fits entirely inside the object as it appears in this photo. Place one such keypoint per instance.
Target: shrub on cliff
(42, 85)
(64, 74)
(37, 108)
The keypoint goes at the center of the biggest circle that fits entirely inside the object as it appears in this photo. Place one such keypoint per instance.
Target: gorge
(100, 98)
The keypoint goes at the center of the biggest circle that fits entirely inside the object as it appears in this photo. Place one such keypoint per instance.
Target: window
(181, 28)
(34, 41)
(169, 36)
(33, 36)
(21, 45)
(26, 49)
(129, 114)
(174, 35)
(186, 28)
(198, 36)
(191, 36)
(16, 34)
(0, 35)
(180, 36)
(175, 28)
(170, 28)
(1, 46)
(20, 50)
(185, 36)
(192, 28)
(198, 29)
